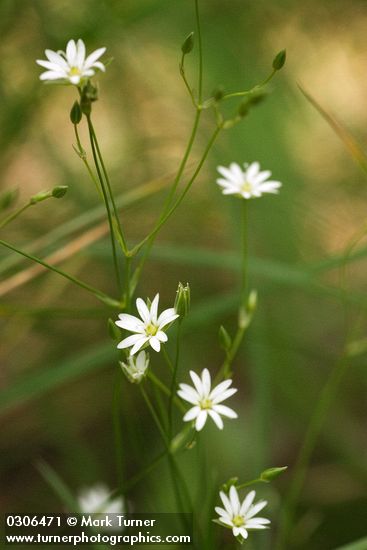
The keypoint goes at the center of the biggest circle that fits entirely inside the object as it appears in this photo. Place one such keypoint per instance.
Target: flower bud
(76, 113)
(279, 60)
(188, 44)
(136, 366)
(182, 301)
(59, 191)
(243, 109)
(218, 94)
(272, 473)
(228, 484)
(224, 339)
(252, 302)
(7, 198)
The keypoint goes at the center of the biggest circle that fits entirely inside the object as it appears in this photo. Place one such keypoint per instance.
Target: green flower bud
(182, 301)
(7, 198)
(59, 191)
(224, 339)
(252, 302)
(76, 113)
(279, 60)
(272, 473)
(228, 484)
(218, 94)
(243, 108)
(188, 44)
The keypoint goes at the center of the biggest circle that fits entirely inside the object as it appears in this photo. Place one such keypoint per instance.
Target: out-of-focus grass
(57, 370)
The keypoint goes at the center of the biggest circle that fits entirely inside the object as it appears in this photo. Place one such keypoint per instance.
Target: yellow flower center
(74, 71)
(246, 187)
(206, 404)
(151, 330)
(238, 521)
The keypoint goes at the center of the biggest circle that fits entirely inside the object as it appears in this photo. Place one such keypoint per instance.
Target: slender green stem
(82, 155)
(154, 416)
(107, 204)
(181, 197)
(107, 180)
(164, 389)
(200, 79)
(187, 85)
(173, 383)
(127, 291)
(172, 190)
(244, 254)
(14, 215)
(244, 93)
(167, 359)
(97, 293)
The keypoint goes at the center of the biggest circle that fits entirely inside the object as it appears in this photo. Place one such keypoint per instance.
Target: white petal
(235, 501)
(99, 65)
(243, 532)
(191, 414)
(257, 521)
(225, 411)
(48, 65)
(93, 57)
(186, 396)
(197, 383)
(56, 58)
(155, 343)
(223, 513)
(130, 341)
(139, 344)
(220, 388)
(226, 503)
(167, 316)
(247, 502)
(80, 53)
(262, 176)
(71, 53)
(143, 310)
(200, 420)
(75, 79)
(206, 381)
(252, 170)
(229, 175)
(191, 394)
(217, 419)
(256, 508)
(130, 322)
(52, 75)
(162, 336)
(224, 395)
(154, 309)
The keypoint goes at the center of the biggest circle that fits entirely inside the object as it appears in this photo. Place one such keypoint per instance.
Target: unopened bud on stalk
(218, 94)
(76, 113)
(252, 301)
(8, 198)
(224, 339)
(188, 44)
(59, 191)
(228, 484)
(182, 301)
(279, 60)
(272, 473)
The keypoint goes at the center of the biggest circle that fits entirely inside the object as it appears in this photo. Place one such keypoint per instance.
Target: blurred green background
(58, 364)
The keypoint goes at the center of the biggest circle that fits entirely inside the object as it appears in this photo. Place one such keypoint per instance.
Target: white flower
(136, 367)
(206, 401)
(240, 516)
(148, 329)
(96, 500)
(248, 183)
(71, 66)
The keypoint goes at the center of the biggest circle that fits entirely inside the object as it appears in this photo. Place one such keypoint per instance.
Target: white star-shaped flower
(96, 500)
(206, 401)
(136, 367)
(241, 516)
(248, 183)
(148, 329)
(71, 66)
